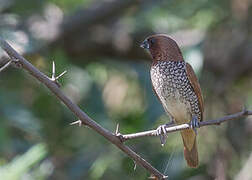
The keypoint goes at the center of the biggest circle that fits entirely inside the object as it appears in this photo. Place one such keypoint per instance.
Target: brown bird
(176, 86)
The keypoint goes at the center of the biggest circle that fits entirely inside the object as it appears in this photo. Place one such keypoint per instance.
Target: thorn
(5, 66)
(118, 134)
(53, 78)
(61, 75)
(117, 129)
(53, 71)
(165, 177)
(79, 122)
(135, 165)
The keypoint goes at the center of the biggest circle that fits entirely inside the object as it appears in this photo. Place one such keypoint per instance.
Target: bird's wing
(196, 87)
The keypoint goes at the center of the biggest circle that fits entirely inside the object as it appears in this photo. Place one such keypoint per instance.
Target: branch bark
(185, 126)
(76, 110)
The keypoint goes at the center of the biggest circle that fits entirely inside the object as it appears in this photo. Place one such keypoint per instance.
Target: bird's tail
(190, 148)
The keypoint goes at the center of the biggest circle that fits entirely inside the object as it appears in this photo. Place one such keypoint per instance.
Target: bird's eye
(152, 41)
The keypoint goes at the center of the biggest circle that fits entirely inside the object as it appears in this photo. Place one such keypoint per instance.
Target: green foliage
(70, 5)
(22, 164)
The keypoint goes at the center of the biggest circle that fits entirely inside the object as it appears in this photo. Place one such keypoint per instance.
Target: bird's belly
(178, 108)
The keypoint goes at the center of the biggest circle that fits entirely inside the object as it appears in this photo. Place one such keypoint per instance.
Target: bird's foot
(161, 132)
(194, 123)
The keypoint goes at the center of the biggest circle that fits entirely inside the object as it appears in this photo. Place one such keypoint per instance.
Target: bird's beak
(145, 44)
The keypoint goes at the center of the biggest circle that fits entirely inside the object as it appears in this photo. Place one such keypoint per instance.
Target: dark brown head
(162, 48)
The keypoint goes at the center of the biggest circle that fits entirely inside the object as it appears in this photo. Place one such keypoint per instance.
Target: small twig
(226, 118)
(186, 126)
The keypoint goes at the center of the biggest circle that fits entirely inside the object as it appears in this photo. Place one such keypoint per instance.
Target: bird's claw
(161, 132)
(194, 123)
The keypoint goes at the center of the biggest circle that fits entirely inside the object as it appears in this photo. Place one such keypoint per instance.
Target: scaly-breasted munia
(176, 86)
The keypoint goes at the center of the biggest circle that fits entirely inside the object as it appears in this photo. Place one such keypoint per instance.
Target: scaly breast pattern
(174, 90)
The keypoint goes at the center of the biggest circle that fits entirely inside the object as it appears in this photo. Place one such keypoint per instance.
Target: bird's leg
(161, 132)
(194, 123)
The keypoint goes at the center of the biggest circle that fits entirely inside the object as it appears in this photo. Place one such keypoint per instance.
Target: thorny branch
(115, 138)
(83, 117)
(185, 126)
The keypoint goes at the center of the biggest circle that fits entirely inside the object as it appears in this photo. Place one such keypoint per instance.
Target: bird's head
(162, 48)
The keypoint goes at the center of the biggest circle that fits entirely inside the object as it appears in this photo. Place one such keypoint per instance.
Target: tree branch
(185, 126)
(76, 110)
(117, 138)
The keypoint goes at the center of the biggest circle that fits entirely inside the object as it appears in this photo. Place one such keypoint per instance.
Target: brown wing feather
(196, 87)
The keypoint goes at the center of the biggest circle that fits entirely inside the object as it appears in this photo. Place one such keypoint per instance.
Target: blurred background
(97, 42)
